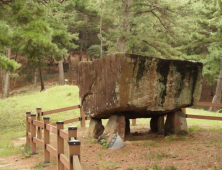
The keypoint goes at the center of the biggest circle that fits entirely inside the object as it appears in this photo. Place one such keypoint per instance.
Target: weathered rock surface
(95, 128)
(176, 123)
(115, 125)
(157, 124)
(137, 86)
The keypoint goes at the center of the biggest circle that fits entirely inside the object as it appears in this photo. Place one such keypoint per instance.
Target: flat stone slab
(137, 86)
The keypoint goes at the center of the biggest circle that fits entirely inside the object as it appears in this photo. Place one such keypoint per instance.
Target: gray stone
(176, 123)
(157, 124)
(115, 126)
(95, 128)
(137, 86)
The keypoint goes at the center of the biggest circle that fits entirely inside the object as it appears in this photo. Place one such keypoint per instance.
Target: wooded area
(45, 31)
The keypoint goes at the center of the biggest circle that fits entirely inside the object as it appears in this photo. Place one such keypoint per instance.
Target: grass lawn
(13, 111)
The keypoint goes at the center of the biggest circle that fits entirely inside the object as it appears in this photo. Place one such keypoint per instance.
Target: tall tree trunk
(100, 29)
(6, 79)
(2, 79)
(124, 26)
(217, 96)
(35, 77)
(70, 68)
(61, 73)
(80, 47)
(80, 52)
(41, 78)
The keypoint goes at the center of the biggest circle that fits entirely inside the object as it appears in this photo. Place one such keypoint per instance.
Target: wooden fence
(207, 104)
(34, 124)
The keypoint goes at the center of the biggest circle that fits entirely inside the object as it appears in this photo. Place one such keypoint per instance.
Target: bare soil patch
(200, 149)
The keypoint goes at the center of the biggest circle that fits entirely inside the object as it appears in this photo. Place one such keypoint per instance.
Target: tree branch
(154, 47)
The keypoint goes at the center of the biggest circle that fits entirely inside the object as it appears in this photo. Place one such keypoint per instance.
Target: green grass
(202, 122)
(7, 146)
(13, 111)
(39, 166)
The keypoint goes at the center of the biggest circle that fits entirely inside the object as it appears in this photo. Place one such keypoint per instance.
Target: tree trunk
(6, 79)
(61, 73)
(217, 96)
(124, 26)
(80, 47)
(41, 78)
(35, 78)
(2, 79)
(70, 69)
(100, 29)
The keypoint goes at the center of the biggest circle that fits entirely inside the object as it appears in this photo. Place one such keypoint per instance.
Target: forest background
(50, 32)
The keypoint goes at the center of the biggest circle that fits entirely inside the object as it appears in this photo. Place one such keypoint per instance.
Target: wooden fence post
(83, 120)
(133, 122)
(72, 132)
(27, 128)
(183, 110)
(46, 140)
(39, 116)
(74, 149)
(60, 145)
(33, 134)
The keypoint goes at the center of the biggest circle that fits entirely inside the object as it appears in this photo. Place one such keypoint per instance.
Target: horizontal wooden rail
(64, 160)
(51, 149)
(208, 104)
(53, 124)
(64, 135)
(88, 118)
(204, 117)
(76, 163)
(60, 110)
(51, 128)
(38, 123)
(38, 142)
(71, 120)
(29, 135)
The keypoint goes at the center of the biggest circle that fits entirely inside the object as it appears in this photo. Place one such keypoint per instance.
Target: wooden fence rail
(34, 124)
(208, 104)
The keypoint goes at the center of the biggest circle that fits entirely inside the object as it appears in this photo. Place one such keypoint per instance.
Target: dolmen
(125, 86)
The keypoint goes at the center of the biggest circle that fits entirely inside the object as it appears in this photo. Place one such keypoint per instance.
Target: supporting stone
(176, 123)
(115, 125)
(127, 127)
(157, 124)
(95, 128)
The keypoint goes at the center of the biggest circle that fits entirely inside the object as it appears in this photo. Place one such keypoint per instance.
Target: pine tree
(151, 28)
(7, 65)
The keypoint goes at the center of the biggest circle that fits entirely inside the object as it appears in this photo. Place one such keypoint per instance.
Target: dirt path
(200, 149)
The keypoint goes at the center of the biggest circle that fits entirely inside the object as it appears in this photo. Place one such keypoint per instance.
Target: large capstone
(137, 86)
